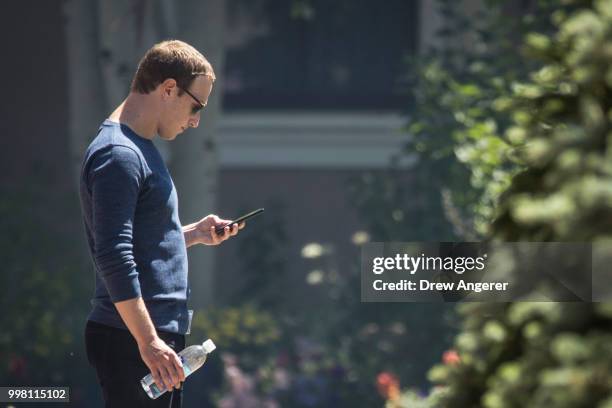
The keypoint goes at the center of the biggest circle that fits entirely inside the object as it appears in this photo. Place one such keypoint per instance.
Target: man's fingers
(157, 378)
(170, 377)
(178, 365)
(162, 378)
(229, 230)
(216, 238)
(213, 234)
(165, 366)
(226, 232)
(175, 373)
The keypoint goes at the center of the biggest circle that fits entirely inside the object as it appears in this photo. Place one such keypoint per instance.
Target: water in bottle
(193, 357)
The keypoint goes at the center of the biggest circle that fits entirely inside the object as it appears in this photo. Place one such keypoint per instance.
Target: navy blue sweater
(130, 210)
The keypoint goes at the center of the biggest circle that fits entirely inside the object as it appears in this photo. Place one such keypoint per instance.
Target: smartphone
(219, 230)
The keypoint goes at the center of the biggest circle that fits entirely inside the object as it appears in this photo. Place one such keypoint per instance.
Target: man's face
(182, 112)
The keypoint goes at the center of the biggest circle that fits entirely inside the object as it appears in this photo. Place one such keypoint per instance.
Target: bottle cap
(209, 346)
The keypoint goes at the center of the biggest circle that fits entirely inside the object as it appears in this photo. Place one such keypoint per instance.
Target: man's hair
(170, 59)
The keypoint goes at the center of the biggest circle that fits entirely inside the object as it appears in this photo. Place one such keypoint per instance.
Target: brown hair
(170, 59)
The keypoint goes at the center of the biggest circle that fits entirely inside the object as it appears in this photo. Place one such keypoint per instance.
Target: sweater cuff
(123, 287)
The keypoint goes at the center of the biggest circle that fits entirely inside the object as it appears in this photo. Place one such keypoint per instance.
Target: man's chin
(168, 136)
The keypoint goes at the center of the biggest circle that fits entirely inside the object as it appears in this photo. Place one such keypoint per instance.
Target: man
(139, 317)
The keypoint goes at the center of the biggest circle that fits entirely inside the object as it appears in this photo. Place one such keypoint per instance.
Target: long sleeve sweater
(130, 212)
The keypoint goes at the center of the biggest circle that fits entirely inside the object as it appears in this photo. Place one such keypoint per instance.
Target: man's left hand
(205, 230)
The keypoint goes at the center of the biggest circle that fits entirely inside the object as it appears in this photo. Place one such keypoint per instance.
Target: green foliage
(42, 284)
(318, 335)
(243, 330)
(564, 116)
(461, 161)
(264, 250)
(391, 201)
(412, 399)
(458, 117)
(549, 354)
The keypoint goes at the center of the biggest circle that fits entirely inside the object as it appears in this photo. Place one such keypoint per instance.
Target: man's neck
(139, 113)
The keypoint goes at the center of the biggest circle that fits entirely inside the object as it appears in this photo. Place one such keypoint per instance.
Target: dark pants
(115, 356)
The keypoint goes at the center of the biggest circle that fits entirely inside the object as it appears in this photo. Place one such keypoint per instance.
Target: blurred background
(350, 122)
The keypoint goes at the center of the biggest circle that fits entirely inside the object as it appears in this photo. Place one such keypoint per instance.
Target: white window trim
(310, 139)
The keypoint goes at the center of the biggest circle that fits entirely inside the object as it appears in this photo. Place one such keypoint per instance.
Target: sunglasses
(200, 105)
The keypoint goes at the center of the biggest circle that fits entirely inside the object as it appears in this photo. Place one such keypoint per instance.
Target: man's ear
(168, 86)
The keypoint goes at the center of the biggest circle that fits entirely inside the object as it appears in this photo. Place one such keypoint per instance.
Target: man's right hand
(164, 363)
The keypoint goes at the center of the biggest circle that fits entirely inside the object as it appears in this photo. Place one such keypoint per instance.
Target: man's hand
(203, 231)
(164, 363)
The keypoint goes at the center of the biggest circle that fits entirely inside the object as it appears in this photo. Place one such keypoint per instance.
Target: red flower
(17, 366)
(451, 357)
(388, 386)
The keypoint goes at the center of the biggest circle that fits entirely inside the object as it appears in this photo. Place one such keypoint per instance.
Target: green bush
(549, 354)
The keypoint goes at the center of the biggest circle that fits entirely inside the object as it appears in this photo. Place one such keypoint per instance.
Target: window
(318, 54)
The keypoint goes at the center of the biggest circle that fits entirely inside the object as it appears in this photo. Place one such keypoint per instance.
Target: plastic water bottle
(193, 357)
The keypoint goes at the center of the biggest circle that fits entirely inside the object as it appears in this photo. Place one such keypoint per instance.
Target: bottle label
(155, 392)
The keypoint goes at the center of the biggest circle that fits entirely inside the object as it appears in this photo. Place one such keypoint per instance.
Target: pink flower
(451, 357)
(388, 386)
